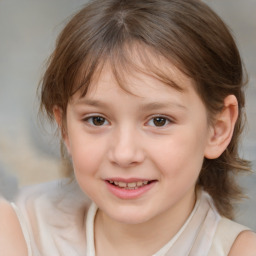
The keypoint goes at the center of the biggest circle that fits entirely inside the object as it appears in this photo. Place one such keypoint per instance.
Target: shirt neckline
(90, 229)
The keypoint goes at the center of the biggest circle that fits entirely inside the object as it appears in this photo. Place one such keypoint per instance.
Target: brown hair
(185, 32)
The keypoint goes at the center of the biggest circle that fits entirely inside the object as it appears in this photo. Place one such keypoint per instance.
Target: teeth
(122, 184)
(130, 185)
(139, 183)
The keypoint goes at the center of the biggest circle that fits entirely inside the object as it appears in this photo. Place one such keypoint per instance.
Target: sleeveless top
(58, 219)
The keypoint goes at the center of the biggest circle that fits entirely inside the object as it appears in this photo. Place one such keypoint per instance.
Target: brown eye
(159, 121)
(96, 120)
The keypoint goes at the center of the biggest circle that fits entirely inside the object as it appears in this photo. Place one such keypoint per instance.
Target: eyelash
(90, 120)
(164, 121)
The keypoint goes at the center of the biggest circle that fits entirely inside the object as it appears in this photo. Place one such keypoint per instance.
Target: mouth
(130, 185)
(129, 188)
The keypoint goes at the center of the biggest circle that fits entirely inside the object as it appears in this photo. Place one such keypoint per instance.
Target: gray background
(28, 28)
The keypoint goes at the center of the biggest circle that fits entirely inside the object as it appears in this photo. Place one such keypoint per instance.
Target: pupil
(159, 121)
(98, 120)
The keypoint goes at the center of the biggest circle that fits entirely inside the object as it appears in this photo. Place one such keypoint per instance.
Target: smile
(129, 189)
(129, 185)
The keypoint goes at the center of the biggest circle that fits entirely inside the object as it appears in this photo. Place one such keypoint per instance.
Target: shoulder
(245, 244)
(56, 198)
(10, 231)
(57, 194)
(54, 211)
(227, 238)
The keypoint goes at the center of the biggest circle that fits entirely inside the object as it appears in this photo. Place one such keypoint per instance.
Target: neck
(140, 239)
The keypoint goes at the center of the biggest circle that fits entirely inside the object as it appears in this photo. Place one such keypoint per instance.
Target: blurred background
(29, 153)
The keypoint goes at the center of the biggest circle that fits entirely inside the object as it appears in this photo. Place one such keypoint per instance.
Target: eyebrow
(161, 105)
(91, 102)
(145, 107)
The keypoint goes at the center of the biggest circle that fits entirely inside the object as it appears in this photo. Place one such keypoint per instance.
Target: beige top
(58, 219)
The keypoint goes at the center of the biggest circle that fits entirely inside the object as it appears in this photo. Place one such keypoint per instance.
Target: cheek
(180, 156)
(86, 157)
(86, 154)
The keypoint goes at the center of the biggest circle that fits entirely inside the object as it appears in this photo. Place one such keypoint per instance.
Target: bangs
(126, 61)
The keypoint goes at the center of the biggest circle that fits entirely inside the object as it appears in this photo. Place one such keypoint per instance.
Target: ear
(221, 131)
(58, 115)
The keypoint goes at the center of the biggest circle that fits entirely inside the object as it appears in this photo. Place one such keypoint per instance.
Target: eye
(96, 120)
(159, 121)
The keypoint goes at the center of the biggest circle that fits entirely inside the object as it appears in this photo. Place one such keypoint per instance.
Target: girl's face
(138, 155)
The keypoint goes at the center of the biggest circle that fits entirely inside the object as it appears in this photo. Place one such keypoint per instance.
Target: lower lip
(129, 193)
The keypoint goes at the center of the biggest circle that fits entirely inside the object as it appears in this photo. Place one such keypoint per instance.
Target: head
(186, 34)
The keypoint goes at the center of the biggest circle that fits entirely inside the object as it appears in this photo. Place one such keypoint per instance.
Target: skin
(10, 232)
(112, 134)
(245, 244)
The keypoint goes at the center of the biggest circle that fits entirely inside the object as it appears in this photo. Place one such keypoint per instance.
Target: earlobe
(58, 115)
(221, 131)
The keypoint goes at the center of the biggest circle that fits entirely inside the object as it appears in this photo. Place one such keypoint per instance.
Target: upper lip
(127, 180)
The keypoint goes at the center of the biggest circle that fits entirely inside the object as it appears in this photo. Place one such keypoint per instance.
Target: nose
(126, 148)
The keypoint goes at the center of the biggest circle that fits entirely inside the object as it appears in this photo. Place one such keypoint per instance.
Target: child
(148, 95)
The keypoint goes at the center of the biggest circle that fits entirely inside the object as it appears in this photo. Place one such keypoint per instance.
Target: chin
(130, 216)
(132, 221)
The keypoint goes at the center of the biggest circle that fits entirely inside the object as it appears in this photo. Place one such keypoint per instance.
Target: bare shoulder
(245, 244)
(12, 241)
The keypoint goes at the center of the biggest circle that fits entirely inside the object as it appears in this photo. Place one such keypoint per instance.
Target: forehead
(142, 92)
(139, 83)
(138, 71)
